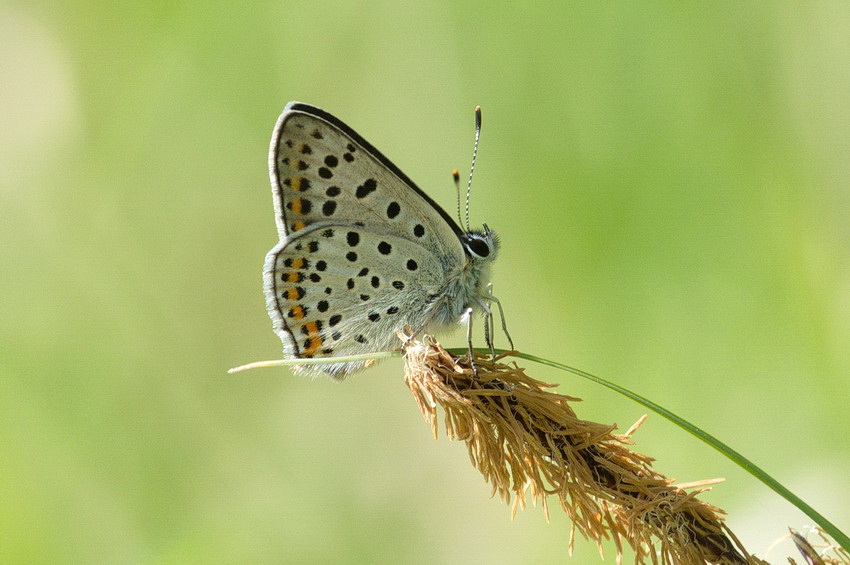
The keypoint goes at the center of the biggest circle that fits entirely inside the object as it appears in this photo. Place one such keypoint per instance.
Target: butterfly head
(481, 245)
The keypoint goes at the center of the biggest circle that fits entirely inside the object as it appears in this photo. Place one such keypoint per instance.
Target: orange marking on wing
(298, 225)
(296, 312)
(295, 184)
(313, 345)
(296, 206)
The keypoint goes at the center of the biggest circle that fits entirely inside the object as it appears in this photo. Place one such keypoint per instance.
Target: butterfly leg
(467, 315)
(501, 313)
(489, 319)
(407, 335)
(489, 332)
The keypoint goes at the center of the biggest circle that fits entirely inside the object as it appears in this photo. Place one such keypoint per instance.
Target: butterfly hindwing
(340, 290)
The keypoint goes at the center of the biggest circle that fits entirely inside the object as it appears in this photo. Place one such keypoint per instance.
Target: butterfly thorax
(467, 287)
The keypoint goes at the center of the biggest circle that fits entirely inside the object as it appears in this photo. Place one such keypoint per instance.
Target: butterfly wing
(323, 171)
(363, 251)
(340, 290)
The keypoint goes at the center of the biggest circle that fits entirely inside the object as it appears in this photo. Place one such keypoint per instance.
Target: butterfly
(363, 251)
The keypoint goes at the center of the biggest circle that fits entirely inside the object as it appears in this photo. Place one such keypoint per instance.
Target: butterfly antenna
(474, 154)
(456, 177)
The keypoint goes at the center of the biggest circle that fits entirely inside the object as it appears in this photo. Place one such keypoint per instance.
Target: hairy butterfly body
(363, 251)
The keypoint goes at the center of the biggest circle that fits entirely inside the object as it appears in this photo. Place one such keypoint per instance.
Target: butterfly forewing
(362, 252)
(322, 171)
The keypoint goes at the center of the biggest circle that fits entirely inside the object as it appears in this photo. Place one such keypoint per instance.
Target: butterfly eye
(478, 247)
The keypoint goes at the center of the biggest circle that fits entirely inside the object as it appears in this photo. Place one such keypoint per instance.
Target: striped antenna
(472, 167)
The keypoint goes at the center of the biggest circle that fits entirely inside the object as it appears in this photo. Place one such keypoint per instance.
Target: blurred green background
(671, 184)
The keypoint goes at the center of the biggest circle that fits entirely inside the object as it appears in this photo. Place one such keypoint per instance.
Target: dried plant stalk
(526, 439)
